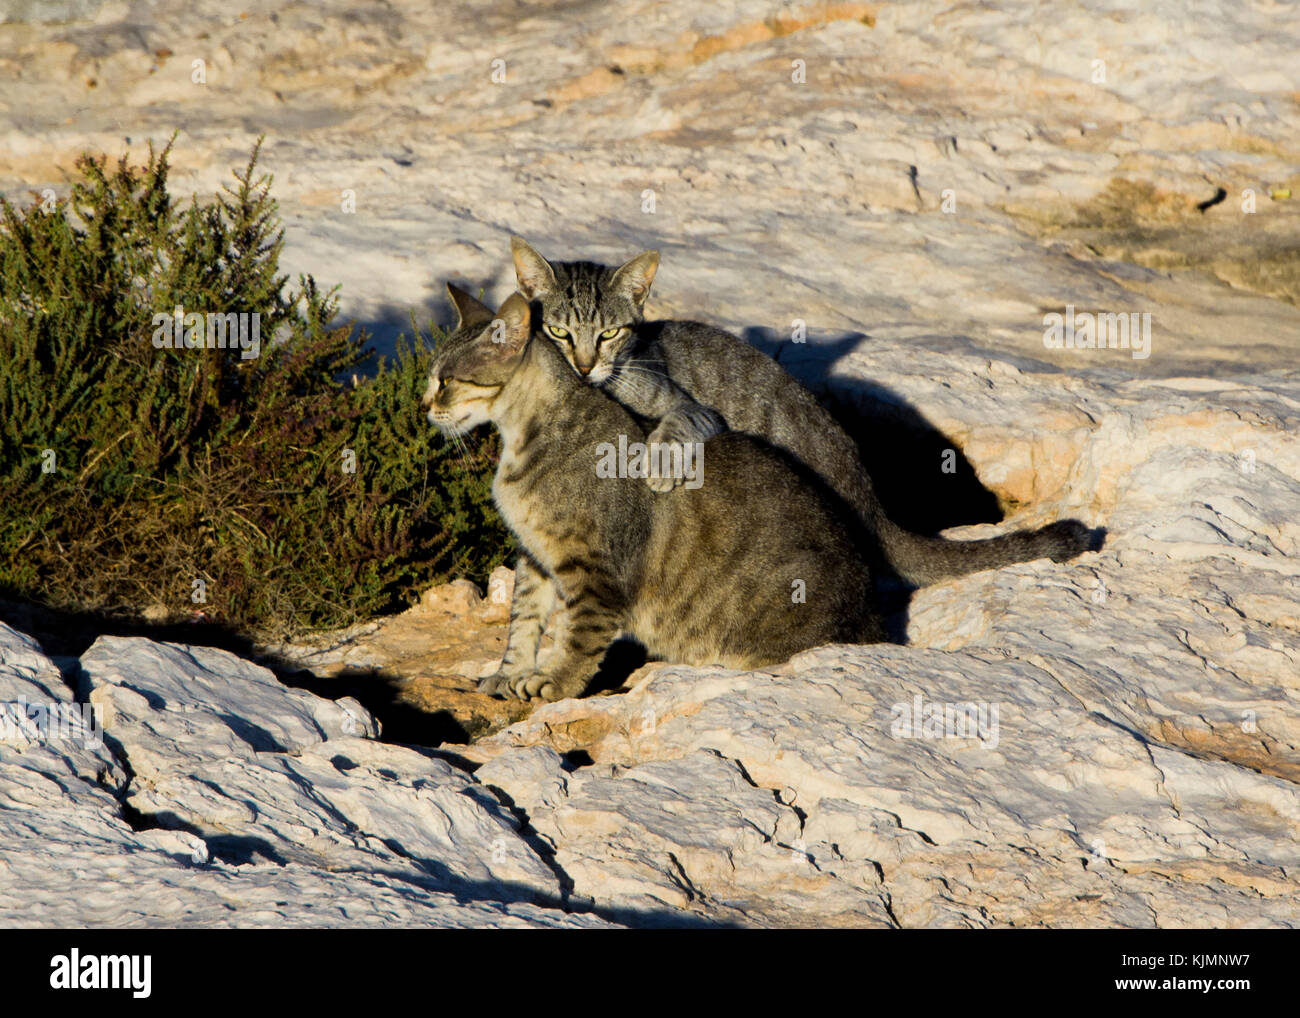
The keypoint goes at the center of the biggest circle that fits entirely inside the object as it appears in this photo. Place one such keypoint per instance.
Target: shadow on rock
(922, 488)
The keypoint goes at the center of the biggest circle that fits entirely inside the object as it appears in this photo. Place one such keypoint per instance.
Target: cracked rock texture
(1110, 741)
(217, 797)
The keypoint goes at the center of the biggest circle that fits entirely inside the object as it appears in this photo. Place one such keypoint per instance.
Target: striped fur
(757, 563)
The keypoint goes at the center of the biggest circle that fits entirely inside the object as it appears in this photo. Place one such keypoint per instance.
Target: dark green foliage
(176, 465)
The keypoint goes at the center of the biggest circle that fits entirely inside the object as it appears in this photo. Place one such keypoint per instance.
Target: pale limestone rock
(219, 747)
(33, 762)
(532, 777)
(1054, 816)
(693, 838)
(941, 178)
(161, 702)
(266, 812)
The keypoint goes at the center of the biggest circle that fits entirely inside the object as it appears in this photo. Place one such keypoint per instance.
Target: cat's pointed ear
(512, 322)
(536, 277)
(469, 310)
(635, 277)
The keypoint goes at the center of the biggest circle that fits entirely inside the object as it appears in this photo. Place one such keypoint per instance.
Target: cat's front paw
(538, 686)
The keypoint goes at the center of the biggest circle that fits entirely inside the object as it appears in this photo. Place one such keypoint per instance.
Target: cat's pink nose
(584, 369)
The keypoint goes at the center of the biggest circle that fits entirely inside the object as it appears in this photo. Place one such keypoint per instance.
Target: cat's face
(473, 364)
(588, 311)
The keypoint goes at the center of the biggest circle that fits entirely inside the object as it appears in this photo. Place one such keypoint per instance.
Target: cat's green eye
(559, 332)
(611, 333)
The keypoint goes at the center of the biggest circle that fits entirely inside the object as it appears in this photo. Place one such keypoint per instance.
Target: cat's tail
(922, 560)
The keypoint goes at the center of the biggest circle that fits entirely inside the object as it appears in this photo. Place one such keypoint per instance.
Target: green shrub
(133, 478)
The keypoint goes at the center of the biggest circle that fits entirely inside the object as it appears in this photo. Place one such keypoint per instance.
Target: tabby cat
(758, 562)
(692, 379)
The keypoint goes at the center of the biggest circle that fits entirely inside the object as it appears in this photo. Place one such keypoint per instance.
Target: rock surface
(937, 176)
(420, 668)
(217, 797)
(919, 186)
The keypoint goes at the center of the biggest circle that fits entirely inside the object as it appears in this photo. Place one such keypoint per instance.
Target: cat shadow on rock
(921, 488)
(924, 481)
